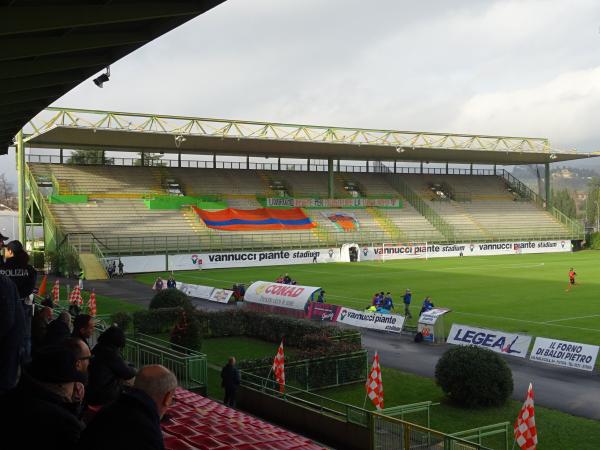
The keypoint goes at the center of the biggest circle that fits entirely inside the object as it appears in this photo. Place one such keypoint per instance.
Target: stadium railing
(189, 366)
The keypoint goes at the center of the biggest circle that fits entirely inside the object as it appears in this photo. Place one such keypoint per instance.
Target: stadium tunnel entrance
(350, 253)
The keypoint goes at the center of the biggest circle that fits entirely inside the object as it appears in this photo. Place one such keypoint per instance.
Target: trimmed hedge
(155, 321)
(170, 298)
(472, 376)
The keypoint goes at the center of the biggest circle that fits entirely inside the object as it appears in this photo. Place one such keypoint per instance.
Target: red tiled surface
(198, 423)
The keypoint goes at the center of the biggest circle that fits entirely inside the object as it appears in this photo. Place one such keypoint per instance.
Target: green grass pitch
(519, 293)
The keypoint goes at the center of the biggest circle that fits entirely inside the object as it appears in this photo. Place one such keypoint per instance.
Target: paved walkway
(571, 391)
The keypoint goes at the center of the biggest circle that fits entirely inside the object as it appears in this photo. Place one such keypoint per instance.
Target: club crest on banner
(472, 247)
(196, 260)
(330, 253)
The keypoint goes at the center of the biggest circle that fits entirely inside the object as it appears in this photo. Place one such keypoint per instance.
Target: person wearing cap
(133, 421)
(406, 298)
(108, 371)
(16, 266)
(39, 412)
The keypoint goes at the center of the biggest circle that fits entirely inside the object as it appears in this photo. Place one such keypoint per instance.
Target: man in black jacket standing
(133, 421)
(230, 381)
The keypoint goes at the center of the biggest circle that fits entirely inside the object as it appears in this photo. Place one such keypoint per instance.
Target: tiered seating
(373, 184)
(512, 219)
(366, 221)
(93, 179)
(241, 202)
(196, 422)
(306, 184)
(123, 217)
(412, 224)
(219, 181)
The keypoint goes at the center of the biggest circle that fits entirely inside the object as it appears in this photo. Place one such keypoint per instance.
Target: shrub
(121, 319)
(156, 320)
(595, 241)
(186, 332)
(472, 376)
(170, 298)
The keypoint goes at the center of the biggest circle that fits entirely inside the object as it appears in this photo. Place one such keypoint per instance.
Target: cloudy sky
(521, 67)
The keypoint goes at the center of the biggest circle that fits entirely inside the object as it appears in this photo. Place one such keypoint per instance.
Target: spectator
(279, 279)
(158, 284)
(427, 305)
(133, 421)
(38, 413)
(171, 284)
(108, 371)
(12, 330)
(407, 299)
(17, 268)
(111, 270)
(81, 277)
(83, 327)
(48, 302)
(287, 279)
(74, 309)
(39, 326)
(388, 303)
(242, 289)
(230, 381)
(59, 329)
(321, 297)
(82, 355)
(120, 268)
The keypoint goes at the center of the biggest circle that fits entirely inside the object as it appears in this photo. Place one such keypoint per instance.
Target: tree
(8, 196)
(89, 157)
(563, 201)
(593, 201)
(150, 159)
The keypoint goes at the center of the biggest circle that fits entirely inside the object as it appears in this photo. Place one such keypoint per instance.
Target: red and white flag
(525, 430)
(92, 304)
(279, 368)
(56, 292)
(374, 384)
(75, 296)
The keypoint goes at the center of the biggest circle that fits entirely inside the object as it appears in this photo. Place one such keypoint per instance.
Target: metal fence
(189, 366)
(389, 433)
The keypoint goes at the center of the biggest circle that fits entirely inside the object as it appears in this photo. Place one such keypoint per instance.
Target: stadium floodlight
(400, 149)
(99, 81)
(553, 156)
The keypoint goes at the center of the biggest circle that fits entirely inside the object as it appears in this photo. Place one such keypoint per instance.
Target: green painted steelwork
(20, 154)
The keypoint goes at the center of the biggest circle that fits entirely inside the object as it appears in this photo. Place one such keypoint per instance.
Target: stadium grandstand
(366, 187)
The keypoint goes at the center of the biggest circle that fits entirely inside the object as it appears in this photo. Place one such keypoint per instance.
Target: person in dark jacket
(18, 269)
(83, 327)
(12, 330)
(38, 413)
(59, 329)
(133, 421)
(108, 371)
(230, 381)
(39, 326)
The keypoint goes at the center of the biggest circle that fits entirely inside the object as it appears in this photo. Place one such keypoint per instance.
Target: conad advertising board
(564, 353)
(473, 249)
(196, 290)
(497, 341)
(281, 295)
(374, 321)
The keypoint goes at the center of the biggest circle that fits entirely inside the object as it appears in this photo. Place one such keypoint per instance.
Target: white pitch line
(573, 318)
(527, 321)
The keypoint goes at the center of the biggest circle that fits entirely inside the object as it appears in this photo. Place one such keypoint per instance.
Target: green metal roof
(47, 47)
(123, 131)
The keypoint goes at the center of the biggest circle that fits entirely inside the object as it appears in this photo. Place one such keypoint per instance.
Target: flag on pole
(92, 304)
(525, 430)
(278, 368)
(75, 296)
(374, 384)
(42, 289)
(56, 293)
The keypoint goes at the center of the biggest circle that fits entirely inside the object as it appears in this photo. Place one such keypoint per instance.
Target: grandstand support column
(247, 162)
(495, 173)
(471, 169)
(421, 167)
(338, 166)
(142, 159)
(395, 166)
(278, 164)
(21, 186)
(61, 156)
(446, 168)
(547, 184)
(308, 165)
(330, 177)
(178, 159)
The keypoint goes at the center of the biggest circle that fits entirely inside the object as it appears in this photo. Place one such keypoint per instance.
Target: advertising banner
(252, 259)
(221, 295)
(281, 295)
(497, 341)
(374, 321)
(335, 202)
(195, 290)
(402, 251)
(564, 353)
(325, 312)
(430, 317)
